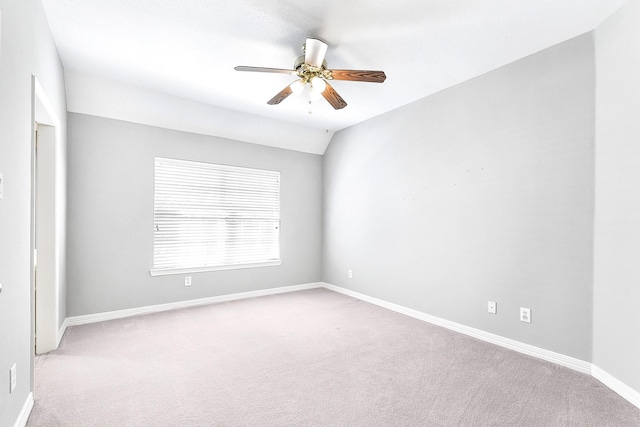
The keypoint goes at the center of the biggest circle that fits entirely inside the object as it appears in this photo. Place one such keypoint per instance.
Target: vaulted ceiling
(186, 50)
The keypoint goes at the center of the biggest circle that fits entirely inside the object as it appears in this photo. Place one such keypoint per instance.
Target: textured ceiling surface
(189, 48)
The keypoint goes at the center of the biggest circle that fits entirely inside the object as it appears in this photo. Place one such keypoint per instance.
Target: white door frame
(47, 227)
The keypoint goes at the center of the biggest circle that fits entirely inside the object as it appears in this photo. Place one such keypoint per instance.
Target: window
(214, 217)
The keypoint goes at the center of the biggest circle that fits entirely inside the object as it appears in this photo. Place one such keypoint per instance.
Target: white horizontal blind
(209, 215)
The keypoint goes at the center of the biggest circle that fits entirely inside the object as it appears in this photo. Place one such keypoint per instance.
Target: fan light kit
(311, 68)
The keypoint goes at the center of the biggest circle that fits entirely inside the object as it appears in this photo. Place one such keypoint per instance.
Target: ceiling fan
(312, 68)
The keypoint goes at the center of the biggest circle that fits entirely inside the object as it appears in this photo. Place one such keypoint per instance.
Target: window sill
(168, 271)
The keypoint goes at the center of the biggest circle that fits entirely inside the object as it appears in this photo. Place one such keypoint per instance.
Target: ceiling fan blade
(265, 70)
(359, 75)
(281, 96)
(314, 52)
(333, 98)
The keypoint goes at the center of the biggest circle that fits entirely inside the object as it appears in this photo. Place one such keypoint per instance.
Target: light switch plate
(12, 378)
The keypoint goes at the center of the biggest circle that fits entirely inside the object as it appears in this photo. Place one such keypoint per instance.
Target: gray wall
(26, 48)
(110, 240)
(617, 221)
(481, 192)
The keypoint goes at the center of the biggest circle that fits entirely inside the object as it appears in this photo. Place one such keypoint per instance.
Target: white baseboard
(119, 314)
(616, 385)
(23, 417)
(576, 364)
(61, 331)
(530, 350)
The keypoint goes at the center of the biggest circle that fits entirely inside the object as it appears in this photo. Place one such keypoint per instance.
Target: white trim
(576, 364)
(168, 271)
(607, 379)
(530, 350)
(46, 307)
(118, 314)
(52, 118)
(61, 331)
(616, 385)
(23, 417)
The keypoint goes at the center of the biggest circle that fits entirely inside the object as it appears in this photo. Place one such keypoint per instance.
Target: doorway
(47, 224)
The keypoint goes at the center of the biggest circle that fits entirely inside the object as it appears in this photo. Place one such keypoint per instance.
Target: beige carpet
(310, 358)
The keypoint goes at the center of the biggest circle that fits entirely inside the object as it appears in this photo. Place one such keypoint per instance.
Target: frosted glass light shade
(318, 86)
(297, 87)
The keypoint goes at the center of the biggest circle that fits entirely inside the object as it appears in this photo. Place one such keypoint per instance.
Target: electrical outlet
(350, 274)
(492, 307)
(12, 378)
(525, 315)
(187, 280)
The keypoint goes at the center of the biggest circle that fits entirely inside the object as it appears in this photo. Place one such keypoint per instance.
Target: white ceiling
(187, 49)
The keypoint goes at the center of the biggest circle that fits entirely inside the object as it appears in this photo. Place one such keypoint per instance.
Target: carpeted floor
(309, 358)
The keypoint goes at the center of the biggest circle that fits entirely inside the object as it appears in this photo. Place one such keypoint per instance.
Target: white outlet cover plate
(525, 315)
(491, 307)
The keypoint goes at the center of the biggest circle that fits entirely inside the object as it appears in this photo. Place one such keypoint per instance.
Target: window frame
(157, 270)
